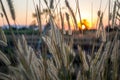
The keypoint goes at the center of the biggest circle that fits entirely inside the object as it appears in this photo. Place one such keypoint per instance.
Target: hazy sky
(86, 7)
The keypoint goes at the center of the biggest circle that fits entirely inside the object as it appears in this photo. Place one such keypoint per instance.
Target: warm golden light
(84, 25)
(87, 20)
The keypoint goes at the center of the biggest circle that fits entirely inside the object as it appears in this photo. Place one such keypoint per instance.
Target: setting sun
(84, 25)
(86, 22)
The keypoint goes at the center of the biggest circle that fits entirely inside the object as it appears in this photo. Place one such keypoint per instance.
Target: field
(55, 58)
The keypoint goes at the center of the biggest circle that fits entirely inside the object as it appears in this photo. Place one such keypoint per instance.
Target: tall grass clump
(62, 63)
(32, 66)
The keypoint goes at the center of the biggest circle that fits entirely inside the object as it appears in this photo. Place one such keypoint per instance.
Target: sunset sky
(86, 7)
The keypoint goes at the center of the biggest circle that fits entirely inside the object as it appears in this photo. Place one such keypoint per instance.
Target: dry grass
(101, 65)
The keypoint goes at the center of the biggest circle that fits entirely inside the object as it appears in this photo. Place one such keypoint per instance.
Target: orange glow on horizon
(86, 20)
(84, 25)
(24, 12)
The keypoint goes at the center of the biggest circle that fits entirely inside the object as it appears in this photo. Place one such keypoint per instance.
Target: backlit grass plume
(11, 8)
(72, 13)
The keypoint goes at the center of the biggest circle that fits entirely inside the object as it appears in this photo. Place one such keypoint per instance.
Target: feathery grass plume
(56, 45)
(11, 8)
(2, 43)
(30, 55)
(115, 61)
(68, 22)
(89, 58)
(4, 58)
(72, 13)
(35, 72)
(107, 65)
(40, 61)
(100, 65)
(84, 64)
(38, 11)
(59, 50)
(101, 30)
(97, 55)
(30, 67)
(3, 9)
(82, 56)
(51, 66)
(37, 66)
(114, 51)
(3, 37)
(51, 4)
(78, 8)
(42, 68)
(67, 17)
(52, 70)
(62, 21)
(113, 43)
(64, 54)
(5, 76)
(79, 76)
(55, 32)
(25, 47)
(52, 49)
(68, 55)
(114, 14)
(15, 73)
(47, 6)
(22, 55)
(98, 22)
(52, 75)
(21, 47)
